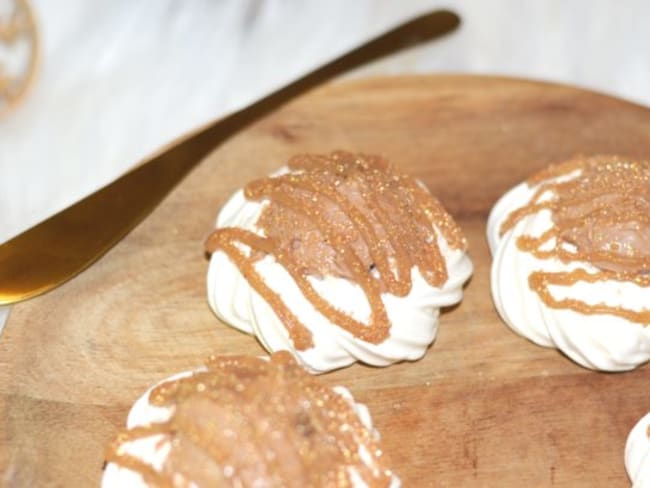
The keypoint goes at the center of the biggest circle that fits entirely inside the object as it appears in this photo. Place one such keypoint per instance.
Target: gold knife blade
(62, 246)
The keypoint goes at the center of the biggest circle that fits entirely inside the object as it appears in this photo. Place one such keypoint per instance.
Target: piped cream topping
(243, 420)
(345, 215)
(600, 211)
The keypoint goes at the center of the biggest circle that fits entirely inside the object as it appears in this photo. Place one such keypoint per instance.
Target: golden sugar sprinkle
(600, 216)
(351, 216)
(283, 427)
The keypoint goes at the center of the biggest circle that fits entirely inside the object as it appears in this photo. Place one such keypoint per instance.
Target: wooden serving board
(485, 407)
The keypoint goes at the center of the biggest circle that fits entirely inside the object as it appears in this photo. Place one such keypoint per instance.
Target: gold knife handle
(62, 246)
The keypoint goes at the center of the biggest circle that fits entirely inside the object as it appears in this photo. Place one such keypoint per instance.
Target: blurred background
(116, 79)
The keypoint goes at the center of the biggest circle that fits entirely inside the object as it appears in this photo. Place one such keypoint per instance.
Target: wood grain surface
(485, 407)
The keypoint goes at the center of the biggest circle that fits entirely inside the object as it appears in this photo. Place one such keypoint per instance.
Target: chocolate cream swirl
(349, 216)
(245, 421)
(600, 210)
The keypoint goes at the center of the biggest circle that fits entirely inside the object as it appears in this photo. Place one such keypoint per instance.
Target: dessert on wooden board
(337, 258)
(247, 421)
(456, 416)
(571, 260)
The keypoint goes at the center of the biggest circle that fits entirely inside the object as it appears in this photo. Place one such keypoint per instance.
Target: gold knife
(62, 246)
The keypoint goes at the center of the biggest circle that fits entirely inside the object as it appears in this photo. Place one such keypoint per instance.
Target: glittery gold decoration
(600, 216)
(352, 216)
(18, 52)
(244, 421)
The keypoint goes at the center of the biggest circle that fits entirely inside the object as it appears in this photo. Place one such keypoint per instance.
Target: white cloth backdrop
(119, 78)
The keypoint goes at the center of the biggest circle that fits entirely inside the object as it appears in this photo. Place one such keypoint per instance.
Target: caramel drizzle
(226, 240)
(540, 281)
(116, 454)
(628, 178)
(315, 429)
(394, 245)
